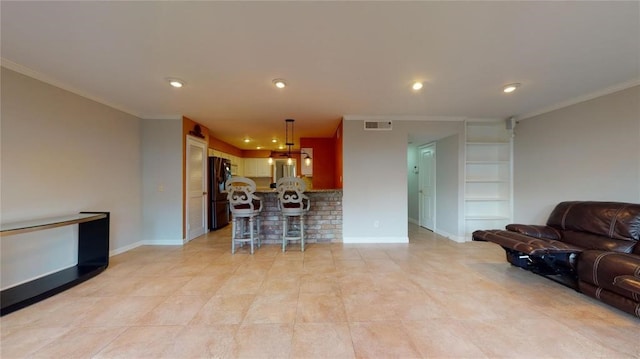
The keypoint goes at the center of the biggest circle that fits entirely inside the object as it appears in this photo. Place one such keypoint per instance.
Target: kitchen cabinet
(488, 175)
(257, 167)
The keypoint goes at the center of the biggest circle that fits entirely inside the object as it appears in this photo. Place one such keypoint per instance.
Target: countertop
(319, 190)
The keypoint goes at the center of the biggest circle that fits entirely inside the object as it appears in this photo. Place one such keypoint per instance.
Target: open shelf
(93, 258)
(488, 177)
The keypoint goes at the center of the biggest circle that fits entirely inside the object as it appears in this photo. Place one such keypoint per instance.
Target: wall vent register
(378, 125)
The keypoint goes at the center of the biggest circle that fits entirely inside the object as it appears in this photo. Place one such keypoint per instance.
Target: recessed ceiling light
(281, 147)
(510, 87)
(177, 83)
(246, 140)
(417, 85)
(275, 140)
(258, 147)
(279, 83)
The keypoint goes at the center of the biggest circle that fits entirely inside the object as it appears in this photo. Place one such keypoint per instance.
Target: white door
(427, 187)
(196, 206)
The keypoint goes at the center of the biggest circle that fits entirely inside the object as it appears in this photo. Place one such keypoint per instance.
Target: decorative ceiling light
(288, 126)
(417, 85)
(279, 83)
(288, 131)
(510, 87)
(177, 83)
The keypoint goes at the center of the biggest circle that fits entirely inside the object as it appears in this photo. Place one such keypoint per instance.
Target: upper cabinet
(257, 167)
(488, 176)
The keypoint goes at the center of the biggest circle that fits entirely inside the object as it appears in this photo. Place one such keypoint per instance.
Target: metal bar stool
(245, 210)
(292, 204)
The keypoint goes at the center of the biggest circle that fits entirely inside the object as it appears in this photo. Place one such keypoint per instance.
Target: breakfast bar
(323, 222)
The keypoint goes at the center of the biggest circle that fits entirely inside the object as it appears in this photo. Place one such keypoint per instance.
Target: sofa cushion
(623, 303)
(593, 241)
(525, 244)
(600, 268)
(629, 282)
(610, 219)
(535, 231)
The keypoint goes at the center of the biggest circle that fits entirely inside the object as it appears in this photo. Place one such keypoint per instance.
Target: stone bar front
(322, 224)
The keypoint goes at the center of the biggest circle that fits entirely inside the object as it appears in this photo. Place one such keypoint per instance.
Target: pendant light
(288, 131)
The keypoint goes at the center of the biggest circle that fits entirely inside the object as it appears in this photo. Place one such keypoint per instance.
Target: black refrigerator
(219, 173)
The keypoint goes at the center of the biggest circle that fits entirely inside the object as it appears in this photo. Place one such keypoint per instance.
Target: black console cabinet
(93, 258)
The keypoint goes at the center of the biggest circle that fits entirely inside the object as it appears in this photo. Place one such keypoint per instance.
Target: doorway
(281, 168)
(196, 188)
(427, 186)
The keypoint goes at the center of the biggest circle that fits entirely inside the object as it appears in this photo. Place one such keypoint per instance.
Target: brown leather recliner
(593, 245)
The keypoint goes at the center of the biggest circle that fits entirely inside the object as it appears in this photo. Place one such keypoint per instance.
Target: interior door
(196, 206)
(427, 187)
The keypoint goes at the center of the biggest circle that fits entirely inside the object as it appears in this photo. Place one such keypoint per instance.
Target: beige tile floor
(432, 298)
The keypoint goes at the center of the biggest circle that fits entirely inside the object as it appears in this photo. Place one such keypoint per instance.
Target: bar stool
(245, 210)
(292, 204)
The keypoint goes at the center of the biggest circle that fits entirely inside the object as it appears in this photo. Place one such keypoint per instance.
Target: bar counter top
(313, 190)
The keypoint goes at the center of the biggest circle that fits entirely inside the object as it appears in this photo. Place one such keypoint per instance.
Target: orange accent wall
(256, 153)
(323, 161)
(219, 145)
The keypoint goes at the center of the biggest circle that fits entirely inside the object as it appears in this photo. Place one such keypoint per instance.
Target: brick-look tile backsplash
(323, 222)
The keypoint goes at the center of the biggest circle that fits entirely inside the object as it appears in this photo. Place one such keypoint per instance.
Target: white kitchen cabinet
(488, 176)
(237, 166)
(257, 167)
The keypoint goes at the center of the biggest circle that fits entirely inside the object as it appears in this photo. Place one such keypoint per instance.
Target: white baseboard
(163, 242)
(414, 221)
(375, 240)
(127, 248)
(459, 239)
(150, 242)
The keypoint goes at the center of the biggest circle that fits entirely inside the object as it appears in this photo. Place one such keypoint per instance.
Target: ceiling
(338, 58)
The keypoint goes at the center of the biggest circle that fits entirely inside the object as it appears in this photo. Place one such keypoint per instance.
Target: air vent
(377, 125)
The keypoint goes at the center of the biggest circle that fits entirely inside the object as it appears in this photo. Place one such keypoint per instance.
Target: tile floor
(432, 298)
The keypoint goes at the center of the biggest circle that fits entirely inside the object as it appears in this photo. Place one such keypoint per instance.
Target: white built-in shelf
(488, 178)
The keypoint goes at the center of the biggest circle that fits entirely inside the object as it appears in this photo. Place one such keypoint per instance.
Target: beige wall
(588, 151)
(162, 181)
(62, 154)
(376, 178)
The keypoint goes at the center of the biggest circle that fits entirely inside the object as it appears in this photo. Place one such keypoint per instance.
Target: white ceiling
(339, 58)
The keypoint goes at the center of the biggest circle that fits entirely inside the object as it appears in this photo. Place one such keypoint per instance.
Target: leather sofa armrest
(628, 282)
(545, 232)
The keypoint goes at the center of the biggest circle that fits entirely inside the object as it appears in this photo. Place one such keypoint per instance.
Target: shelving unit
(488, 176)
(93, 258)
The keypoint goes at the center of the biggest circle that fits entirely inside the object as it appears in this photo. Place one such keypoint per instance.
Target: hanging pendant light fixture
(288, 123)
(289, 138)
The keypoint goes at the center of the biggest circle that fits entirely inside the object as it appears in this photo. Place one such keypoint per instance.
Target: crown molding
(53, 82)
(579, 99)
(403, 118)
